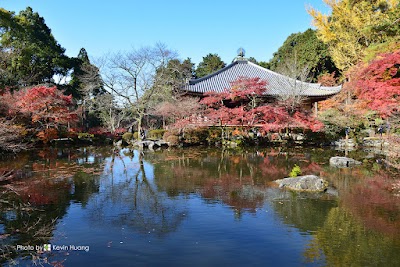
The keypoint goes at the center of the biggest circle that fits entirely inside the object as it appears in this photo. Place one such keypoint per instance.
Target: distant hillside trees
(303, 51)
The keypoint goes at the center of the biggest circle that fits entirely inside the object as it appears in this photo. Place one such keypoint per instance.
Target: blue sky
(192, 28)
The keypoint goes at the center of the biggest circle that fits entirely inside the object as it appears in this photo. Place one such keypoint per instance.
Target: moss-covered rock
(307, 183)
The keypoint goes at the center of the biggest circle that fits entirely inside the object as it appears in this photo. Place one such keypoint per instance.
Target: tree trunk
(139, 121)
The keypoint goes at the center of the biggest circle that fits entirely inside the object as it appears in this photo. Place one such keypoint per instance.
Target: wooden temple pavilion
(277, 84)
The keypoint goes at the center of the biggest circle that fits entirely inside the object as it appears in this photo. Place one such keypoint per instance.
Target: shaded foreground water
(197, 207)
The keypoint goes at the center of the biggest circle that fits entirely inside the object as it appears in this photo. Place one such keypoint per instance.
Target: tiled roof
(277, 84)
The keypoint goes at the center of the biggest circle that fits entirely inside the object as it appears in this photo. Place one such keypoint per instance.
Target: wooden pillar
(316, 109)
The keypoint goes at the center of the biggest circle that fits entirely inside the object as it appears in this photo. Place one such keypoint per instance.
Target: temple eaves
(277, 84)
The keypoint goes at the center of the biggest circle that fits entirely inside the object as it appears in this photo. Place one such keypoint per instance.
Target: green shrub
(84, 136)
(130, 136)
(127, 136)
(156, 134)
(296, 171)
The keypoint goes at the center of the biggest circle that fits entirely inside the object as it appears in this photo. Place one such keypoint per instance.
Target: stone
(150, 144)
(343, 143)
(307, 183)
(375, 142)
(343, 162)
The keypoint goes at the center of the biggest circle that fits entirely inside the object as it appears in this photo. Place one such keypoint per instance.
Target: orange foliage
(42, 108)
(47, 135)
(237, 132)
(374, 86)
(327, 79)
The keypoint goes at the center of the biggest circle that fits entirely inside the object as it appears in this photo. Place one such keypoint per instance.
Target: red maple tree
(47, 108)
(176, 109)
(378, 85)
(243, 105)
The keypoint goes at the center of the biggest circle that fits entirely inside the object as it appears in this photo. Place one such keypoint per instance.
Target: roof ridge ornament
(240, 55)
(241, 52)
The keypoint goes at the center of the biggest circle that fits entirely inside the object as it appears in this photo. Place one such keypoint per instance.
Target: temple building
(278, 85)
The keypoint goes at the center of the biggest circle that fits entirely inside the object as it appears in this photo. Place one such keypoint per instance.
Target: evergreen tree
(176, 73)
(305, 51)
(210, 64)
(85, 86)
(86, 80)
(30, 53)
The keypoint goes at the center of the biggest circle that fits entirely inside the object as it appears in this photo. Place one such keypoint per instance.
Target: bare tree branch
(132, 76)
(292, 85)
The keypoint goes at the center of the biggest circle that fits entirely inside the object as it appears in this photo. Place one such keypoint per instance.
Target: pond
(196, 206)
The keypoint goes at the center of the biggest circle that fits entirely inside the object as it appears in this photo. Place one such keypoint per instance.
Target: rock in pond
(150, 144)
(343, 162)
(309, 183)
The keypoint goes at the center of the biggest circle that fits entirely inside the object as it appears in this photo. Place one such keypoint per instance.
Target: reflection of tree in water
(370, 196)
(236, 178)
(305, 211)
(10, 168)
(344, 241)
(215, 176)
(131, 200)
(27, 223)
(364, 229)
(84, 186)
(31, 206)
(374, 201)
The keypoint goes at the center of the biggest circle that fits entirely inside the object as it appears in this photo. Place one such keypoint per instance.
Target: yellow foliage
(348, 30)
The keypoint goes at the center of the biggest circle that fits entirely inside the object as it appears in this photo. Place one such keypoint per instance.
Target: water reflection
(45, 183)
(129, 198)
(185, 196)
(306, 212)
(344, 240)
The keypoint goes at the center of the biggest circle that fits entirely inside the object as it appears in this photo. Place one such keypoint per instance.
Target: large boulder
(343, 162)
(309, 183)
